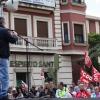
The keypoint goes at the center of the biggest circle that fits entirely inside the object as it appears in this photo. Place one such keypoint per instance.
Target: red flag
(87, 60)
(42, 74)
(85, 77)
(95, 75)
(85, 94)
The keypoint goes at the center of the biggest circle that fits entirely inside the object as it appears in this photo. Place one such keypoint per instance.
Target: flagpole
(33, 80)
(43, 83)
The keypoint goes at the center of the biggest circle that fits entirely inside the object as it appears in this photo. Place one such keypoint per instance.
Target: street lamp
(10, 5)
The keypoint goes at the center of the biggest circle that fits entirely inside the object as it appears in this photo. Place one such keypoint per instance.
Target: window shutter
(65, 28)
(78, 29)
(78, 33)
(21, 26)
(92, 26)
(42, 29)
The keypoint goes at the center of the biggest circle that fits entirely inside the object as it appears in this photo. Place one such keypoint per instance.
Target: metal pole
(1, 9)
(27, 65)
(56, 77)
(27, 42)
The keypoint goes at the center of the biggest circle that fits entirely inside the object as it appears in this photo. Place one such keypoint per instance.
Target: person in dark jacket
(5, 38)
(33, 90)
(47, 92)
(52, 86)
(26, 93)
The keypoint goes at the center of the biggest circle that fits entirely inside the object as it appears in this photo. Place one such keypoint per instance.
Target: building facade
(59, 26)
(93, 24)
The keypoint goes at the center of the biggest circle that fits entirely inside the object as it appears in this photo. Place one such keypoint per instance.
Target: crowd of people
(51, 91)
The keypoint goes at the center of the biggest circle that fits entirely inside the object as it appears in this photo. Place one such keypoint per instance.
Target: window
(19, 77)
(42, 29)
(64, 0)
(78, 33)
(65, 28)
(77, 1)
(92, 26)
(22, 76)
(47, 78)
(78, 38)
(21, 26)
(80, 3)
(65, 31)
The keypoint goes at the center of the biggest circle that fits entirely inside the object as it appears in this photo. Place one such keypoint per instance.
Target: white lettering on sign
(85, 81)
(50, 3)
(95, 75)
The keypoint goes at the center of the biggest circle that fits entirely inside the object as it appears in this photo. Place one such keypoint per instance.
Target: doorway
(47, 79)
(20, 77)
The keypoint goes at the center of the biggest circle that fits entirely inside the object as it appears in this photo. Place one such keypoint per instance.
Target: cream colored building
(64, 74)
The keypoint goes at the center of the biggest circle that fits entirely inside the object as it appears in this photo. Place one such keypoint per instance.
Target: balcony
(47, 44)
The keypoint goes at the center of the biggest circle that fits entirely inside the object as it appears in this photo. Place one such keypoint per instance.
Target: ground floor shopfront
(18, 69)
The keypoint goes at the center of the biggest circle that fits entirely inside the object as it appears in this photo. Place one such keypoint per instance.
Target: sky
(93, 7)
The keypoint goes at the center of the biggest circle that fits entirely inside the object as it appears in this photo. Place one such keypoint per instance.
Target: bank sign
(31, 64)
(50, 3)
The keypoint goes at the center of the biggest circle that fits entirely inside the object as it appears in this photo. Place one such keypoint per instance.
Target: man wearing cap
(71, 91)
(14, 93)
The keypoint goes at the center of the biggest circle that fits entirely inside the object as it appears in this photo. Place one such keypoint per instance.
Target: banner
(87, 60)
(95, 75)
(85, 77)
(49, 3)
